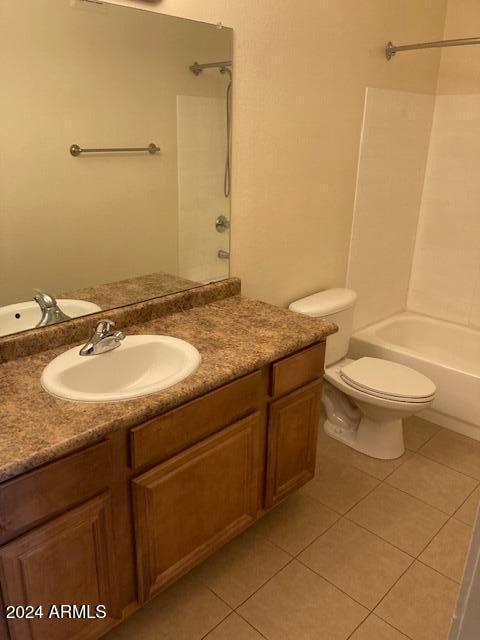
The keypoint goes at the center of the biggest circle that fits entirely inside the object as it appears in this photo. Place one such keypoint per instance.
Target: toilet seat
(387, 380)
(334, 377)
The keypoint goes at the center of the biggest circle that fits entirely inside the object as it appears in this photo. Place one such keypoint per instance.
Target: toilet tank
(337, 305)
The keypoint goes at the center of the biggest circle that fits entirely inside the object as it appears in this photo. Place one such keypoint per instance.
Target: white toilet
(365, 399)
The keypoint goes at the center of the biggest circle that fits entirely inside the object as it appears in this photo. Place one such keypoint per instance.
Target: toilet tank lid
(325, 303)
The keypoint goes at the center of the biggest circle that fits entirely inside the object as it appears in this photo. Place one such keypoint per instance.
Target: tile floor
(368, 550)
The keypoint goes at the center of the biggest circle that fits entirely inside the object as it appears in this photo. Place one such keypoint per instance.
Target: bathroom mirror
(114, 156)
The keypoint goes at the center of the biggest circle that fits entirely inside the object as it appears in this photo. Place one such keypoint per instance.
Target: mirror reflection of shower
(225, 69)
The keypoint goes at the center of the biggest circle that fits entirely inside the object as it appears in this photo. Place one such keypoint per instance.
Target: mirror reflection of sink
(140, 366)
(26, 315)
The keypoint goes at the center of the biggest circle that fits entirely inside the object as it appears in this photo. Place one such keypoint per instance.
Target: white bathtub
(447, 353)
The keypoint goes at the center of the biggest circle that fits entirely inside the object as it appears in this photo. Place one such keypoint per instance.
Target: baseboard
(465, 428)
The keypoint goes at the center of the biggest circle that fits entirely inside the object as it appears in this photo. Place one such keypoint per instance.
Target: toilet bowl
(369, 418)
(365, 400)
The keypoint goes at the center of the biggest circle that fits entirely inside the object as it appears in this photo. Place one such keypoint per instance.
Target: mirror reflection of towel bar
(76, 151)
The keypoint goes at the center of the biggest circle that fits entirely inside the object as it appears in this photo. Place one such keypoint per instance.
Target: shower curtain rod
(197, 68)
(391, 49)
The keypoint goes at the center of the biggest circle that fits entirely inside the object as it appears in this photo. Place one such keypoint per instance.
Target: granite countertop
(234, 335)
(123, 292)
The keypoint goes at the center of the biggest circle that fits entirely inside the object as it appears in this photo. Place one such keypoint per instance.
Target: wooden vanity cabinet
(116, 523)
(294, 412)
(69, 560)
(292, 442)
(189, 506)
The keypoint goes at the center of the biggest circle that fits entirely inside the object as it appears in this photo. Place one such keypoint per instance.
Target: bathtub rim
(365, 340)
(368, 334)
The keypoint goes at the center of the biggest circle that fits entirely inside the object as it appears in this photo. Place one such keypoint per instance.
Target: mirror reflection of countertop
(132, 290)
(235, 336)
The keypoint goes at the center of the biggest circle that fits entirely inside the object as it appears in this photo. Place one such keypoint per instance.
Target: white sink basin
(140, 366)
(26, 315)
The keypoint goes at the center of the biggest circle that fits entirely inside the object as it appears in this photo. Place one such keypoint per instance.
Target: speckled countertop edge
(235, 336)
(18, 345)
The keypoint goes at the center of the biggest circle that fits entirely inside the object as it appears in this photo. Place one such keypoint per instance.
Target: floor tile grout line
(292, 559)
(341, 516)
(344, 463)
(317, 574)
(387, 623)
(220, 621)
(390, 486)
(415, 557)
(374, 533)
(452, 517)
(439, 430)
(383, 482)
(456, 582)
(293, 556)
(414, 452)
(412, 558)
(457, 519)
(343, 591)
(252, 625)
(467, 498)
(407, 449)
(226, 618)
(335, 586)
(416, 560)
(406, 459)
(339, 513)
(264, 537)
(433, 538)
(432, 506)
(318, 537)
(442, 464)
(379, 482)
(450, 432)
(234, 608)
(358, 626)
(363, 498)
(393, 626)
(389, 591)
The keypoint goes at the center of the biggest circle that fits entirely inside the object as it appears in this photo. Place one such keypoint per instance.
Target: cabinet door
(189, 506)
(292, 442)
(66, 561)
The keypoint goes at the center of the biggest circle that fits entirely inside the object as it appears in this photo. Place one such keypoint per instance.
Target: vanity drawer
(43, 493)
(298, 370)
(167, 435)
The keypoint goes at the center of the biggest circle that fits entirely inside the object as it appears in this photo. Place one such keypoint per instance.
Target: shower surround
(445, 277)
(415, 247)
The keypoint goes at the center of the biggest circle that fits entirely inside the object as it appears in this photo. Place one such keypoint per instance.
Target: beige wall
(460, 66)
(445, 280)
(301, 70)
(68, 223)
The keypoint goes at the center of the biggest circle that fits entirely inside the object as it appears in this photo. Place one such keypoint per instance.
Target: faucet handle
(104, 326)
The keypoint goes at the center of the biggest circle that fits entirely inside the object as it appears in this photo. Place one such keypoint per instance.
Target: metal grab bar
(76, 151)
(196, 68)
(392, 49)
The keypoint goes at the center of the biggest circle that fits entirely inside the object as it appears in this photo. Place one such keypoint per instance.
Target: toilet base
(373, 430)
(382, 440)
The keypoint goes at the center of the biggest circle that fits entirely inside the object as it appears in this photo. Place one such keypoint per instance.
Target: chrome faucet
(51, 312)
(103, 339)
